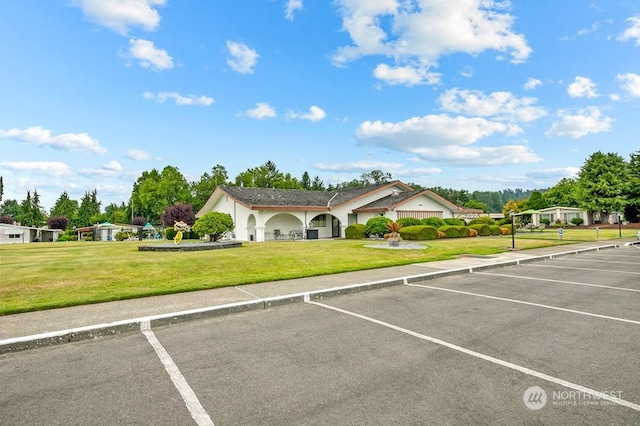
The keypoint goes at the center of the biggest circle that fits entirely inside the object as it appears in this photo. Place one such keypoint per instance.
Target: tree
(116, 214)
(376, 176)
(66, 207)
(267, 176)
(604, 183)
(509, 207)
(537, 201)
(153, 191)
(632, 210)
(7, 219)
(10, 208)
(475, 204)
(564, 193)
(317, 184)
(203, 189)
(139, 221)
(305, 181)
(58, 222)
(178, 213)
(31, 213)
(213, 224)
(89, 210)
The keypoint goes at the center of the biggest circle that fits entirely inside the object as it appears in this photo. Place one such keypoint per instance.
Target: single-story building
(562, 214)
(261, 214)
(106, 231)
(14, 234)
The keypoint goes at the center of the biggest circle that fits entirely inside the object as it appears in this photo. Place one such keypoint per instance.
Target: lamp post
(513, 231)
(619, 226)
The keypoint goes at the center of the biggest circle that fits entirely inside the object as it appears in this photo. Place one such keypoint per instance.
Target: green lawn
(52, 275)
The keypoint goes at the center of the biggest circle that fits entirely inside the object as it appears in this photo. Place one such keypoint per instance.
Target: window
(14, 236)
(319, 221)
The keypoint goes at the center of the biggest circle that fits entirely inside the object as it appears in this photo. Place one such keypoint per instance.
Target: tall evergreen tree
(89, 210)
(604, 183)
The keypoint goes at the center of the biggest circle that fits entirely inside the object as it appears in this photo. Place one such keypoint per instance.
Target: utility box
(312, 234)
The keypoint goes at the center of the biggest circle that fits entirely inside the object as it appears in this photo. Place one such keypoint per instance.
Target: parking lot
(546, 342)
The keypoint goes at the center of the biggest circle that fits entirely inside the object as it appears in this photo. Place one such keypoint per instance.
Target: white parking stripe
(191, 400)
(503, 299)
(558, 281)
(598, 260)
(491, 359)
(546, 265)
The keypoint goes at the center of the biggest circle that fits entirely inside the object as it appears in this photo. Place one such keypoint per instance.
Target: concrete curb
(135, 324)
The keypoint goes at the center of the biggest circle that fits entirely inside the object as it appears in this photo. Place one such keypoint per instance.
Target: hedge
(418, 233)
(455, 231)
(505, 230)
(409, 221)
(495, 230)
(355, 231)
(454, 222)
(436, 222)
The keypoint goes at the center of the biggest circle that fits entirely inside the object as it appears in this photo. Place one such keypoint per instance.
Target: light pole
(619, 226)
(513, 230)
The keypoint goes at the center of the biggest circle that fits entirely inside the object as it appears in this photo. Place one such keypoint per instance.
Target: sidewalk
(56, 326)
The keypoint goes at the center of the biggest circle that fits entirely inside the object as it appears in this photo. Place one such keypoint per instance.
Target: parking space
(549, 342)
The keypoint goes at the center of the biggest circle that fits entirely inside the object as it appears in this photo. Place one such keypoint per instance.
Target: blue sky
(467, 94)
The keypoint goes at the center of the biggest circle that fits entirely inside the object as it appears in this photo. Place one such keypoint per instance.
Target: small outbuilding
(17, 234)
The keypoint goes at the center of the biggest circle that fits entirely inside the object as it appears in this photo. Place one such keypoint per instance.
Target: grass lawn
(52, 275)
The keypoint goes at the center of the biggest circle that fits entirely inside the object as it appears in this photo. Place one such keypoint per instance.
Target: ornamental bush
(409, 221)
(121, 236)
(454, 222)
(436, 222)
(170, 233)
(482, 229)
(505, 230)
(495, 230)
(213, 224)
(419, 233)
(451, 231)
(545, 220)
(473, 232)
(482, 220)
(577, 221)
(355, 231)
(377, 226)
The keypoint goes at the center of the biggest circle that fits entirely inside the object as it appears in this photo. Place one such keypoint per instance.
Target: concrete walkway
(57, 326)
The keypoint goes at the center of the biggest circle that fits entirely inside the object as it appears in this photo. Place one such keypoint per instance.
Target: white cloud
(446, 139)
(149, 56)
(587, 121)
(179, 99)
(120, 15)
(499, 105)
(261, 111)
(395, 169)
(420, 32)
(113, 166)
(50, 168)
(243, 59)
(407, 75)
(582, 87)
(554, 174)
(65, 141)
(315, 114)
(137, 154)
(532, 83)
(632, 33)
(630, 82)
(291, 7)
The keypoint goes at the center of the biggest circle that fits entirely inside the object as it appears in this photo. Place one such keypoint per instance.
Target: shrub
(169, 233)
(394, 231)
(577, 221)
(454, 222)
(409, 221)
(486, 220)
(545, 220)
(482, 229)
(441, 235)
(377, 226)
(495, 230)
(213, 224)
(88, 237)
(139, 221)
(121, 236)
(178, 212)
(452, 231)
(473, 232)
(505, 230)
(64, 237)
(58, 222)
(419, 233)
(436, 222)
(355, 231)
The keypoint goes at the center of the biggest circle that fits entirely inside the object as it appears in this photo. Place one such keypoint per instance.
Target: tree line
(606, 183)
